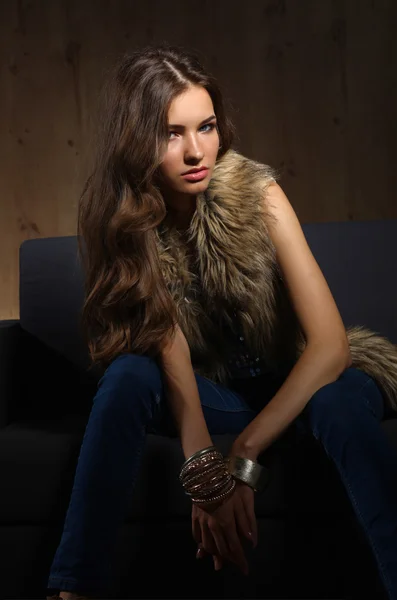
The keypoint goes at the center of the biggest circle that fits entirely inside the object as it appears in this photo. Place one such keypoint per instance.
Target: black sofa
(309, 543)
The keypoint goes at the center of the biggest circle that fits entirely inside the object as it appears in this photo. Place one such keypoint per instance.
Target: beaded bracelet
(205, 477)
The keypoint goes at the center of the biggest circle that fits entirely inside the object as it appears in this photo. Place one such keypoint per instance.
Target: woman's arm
(183, 395)
(327, 352)
(317, 366)
(186, 406)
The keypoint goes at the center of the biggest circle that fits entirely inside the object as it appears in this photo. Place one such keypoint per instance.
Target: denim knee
(131, 382)
(339, 404)
(327, 406)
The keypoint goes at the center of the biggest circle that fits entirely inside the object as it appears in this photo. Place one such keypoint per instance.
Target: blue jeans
(344, 416)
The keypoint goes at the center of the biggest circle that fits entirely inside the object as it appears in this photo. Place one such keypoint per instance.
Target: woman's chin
(196, 186)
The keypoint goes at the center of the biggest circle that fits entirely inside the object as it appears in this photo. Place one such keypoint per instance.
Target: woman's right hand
(217, 531)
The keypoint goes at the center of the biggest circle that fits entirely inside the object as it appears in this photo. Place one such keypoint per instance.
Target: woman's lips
(198, 176)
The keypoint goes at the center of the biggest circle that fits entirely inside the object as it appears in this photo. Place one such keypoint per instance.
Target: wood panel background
(313, 86)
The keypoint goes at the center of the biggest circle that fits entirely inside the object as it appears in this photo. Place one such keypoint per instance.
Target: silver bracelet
(247, 471)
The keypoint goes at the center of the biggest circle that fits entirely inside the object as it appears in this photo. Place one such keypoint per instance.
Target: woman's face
(193, 142)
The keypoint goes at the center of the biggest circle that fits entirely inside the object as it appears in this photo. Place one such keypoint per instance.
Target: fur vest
(233, 282)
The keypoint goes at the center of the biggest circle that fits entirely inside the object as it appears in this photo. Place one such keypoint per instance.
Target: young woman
(208, 314)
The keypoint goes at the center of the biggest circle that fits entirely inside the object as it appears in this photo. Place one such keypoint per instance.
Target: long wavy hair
(127, 306)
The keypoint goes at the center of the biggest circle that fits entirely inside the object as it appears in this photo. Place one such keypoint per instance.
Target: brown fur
(234, 278)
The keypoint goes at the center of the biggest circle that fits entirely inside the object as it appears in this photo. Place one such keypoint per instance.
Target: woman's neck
(181, 219)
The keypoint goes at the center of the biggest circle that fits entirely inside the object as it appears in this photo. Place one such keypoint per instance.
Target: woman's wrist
(194, 433)
(243, 448)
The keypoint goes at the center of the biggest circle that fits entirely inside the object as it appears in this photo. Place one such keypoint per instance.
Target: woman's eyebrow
(202, 123)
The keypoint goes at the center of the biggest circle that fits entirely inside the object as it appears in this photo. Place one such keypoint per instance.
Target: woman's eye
(210, 125)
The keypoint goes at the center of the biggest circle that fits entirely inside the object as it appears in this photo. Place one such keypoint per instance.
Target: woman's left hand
(244, 516)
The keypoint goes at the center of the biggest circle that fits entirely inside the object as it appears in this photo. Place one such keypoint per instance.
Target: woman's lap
(229, 409)
(225, 411)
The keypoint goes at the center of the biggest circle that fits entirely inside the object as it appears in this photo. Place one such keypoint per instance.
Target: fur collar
(233, 281)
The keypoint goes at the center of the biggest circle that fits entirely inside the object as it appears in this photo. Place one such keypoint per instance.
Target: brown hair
(127, 306)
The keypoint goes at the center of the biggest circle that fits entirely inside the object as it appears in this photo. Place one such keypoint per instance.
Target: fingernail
(198, 553)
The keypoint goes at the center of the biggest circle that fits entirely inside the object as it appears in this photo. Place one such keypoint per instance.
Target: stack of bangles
(207, 477)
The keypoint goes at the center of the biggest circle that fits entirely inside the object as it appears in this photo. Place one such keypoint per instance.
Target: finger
(241, 517)
(196, 529)
(248, 499)
(219, 539)
(236, 551)
(200, 551)
(217, 562)
(208, 542)
(250, 510)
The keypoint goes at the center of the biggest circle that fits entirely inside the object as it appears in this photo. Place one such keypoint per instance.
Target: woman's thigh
(225, 410)
(352, 394)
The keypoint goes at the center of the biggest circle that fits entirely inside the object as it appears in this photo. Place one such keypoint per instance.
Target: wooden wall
(313, 85)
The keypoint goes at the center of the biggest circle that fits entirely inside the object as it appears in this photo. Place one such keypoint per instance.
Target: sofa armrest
(36, 382)
(10, 340)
